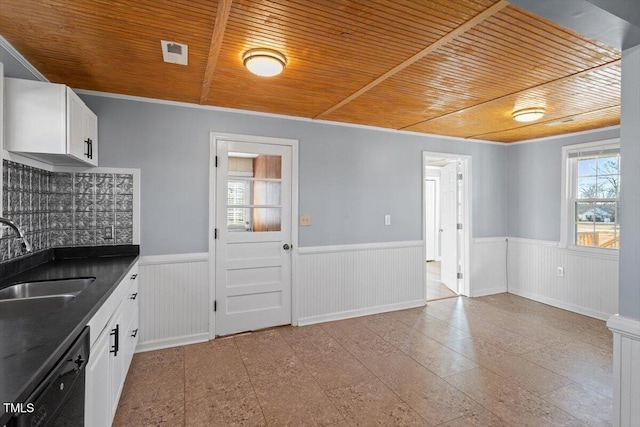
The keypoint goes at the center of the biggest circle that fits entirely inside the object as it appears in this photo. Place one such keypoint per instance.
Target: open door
(449, 225)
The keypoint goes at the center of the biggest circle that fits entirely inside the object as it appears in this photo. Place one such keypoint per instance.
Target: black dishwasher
(59, 399)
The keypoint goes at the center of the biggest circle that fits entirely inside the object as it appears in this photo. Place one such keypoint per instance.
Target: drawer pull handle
(134, 277)
(134, 333)
(115, 332)
(134, 295)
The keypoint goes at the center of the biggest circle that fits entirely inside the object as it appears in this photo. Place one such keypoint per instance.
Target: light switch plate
(305, 219)
(387, 220)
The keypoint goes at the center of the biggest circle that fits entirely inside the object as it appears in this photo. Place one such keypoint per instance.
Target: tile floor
(493, 361)
(435, 288)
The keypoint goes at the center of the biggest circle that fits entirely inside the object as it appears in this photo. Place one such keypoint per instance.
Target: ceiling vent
(174, 53)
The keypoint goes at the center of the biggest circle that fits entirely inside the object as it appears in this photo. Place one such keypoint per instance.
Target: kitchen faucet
(26, 246)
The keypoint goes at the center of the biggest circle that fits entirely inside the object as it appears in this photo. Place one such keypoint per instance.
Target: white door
(449, 224)
(253, 244)
(430, 219)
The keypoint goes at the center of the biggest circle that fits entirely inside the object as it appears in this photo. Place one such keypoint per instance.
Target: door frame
(213, 148)
(465, 287)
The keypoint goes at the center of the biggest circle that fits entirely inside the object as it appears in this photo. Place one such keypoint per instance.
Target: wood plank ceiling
(446, 67)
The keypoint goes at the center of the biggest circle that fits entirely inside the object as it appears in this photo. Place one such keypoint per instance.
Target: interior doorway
(447, 205)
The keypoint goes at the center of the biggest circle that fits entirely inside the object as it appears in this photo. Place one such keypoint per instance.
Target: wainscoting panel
(626, 370)
(174, 295)
(589, 285)
(337, 282)
(488, 266)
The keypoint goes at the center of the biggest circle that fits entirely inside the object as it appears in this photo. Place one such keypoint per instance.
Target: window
(593, 195)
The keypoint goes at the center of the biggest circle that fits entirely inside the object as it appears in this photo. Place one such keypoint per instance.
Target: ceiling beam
(219, 26)
(561, 79)
(418, 56)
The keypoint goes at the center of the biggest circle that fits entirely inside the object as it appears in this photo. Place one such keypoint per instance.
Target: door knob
(286, 247)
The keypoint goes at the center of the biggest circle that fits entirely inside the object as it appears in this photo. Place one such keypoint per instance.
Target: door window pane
(254, 192)
(254, 219)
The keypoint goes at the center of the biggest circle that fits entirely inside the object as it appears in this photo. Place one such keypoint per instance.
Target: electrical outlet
(107, 233)
(387, 220)
(305, 220)
(560, 271)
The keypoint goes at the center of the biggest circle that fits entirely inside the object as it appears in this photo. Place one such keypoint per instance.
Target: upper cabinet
(49, 122)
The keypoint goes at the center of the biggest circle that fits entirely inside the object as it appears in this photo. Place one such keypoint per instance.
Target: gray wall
(13, 67)
(533, 185)
(349, 177)
(630, 188)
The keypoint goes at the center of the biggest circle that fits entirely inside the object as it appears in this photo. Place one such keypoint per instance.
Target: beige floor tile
(155, 376)
(429, 353)
(330, 364)
(372, 403)
(526, 374)
(595, 377)
(603, 340)
(477, 349)
(587, 352)
(360, 341)
(289, 395)
(231, 404)
(479, 418)
(508, 341)
(133, 413)
(431, 397)
(211, 365)
(439, 331)
(383, 323)
(584, 404)
(263, 346)
(513, 404)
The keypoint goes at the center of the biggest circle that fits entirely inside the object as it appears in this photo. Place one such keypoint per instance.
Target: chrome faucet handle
(26, 246)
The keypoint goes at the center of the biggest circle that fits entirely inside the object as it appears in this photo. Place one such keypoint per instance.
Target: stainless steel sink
(13, 308)
(46, 288)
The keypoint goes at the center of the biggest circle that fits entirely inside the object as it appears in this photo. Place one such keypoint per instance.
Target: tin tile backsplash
(58, 209)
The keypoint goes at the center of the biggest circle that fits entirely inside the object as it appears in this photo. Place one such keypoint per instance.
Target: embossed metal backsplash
(57, 209)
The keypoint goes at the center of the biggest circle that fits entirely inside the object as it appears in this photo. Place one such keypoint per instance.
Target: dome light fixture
(528, 114)
(264, 62)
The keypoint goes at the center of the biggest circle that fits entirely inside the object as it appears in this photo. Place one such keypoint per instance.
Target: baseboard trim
(171, 342)
(359, 312)
(559, 304)
(490, 291)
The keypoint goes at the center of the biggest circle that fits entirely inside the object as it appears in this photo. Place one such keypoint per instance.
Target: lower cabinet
(111, 351)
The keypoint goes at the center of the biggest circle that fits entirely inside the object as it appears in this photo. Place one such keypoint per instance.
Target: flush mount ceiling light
(264, 62)
(528, 114)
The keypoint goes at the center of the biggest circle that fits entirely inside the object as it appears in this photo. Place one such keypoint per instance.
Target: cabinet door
(91, 135)
(76, 144)
(118, 328)
(98, 407)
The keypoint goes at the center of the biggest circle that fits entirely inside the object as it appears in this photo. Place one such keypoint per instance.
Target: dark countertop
(30, 346)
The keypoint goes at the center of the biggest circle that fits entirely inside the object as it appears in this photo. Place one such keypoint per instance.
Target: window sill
(611, 254)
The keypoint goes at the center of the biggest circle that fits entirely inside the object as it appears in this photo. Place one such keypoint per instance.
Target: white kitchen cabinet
(113, 342)
(49, 122)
